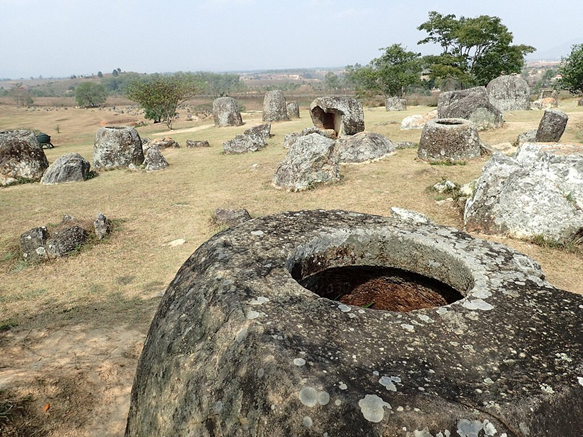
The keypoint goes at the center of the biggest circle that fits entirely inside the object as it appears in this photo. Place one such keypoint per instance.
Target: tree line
(473, 52)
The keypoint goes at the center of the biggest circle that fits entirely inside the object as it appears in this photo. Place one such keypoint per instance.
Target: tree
(332, 82)
(115, 73)
(571, 70)
(474, 50)
(21, 95)
(161, 95)
(90, 95)
(388, 75)
(99, 74)
(218, 85)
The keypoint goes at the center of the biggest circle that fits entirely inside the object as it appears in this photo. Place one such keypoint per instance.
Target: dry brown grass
(115, 286)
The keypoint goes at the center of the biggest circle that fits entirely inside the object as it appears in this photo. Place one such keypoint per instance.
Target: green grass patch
(7, 325)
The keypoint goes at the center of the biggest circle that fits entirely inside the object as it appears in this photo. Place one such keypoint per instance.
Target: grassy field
(71, 330)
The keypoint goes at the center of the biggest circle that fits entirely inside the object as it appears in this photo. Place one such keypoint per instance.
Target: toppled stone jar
(318, 323)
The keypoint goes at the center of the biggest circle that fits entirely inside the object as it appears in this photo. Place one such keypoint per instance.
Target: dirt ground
(71, 330)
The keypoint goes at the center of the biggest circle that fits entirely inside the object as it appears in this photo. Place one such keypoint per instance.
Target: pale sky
(65, 37)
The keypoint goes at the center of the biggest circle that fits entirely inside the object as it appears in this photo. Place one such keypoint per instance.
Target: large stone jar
(332, 323)
(116, 147)
(449, 140)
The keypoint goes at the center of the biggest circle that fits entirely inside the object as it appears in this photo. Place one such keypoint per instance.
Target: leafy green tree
(90, 94)
(99, 74)
(571, 70)
(474, 50)
(333, 82)
(389, 75)
(161, 95)
(115, 73)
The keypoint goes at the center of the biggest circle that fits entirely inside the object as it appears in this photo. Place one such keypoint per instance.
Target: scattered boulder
(65, 241)
(546, 103)
(536, 193)
(263, 131)
(580, 102)
(471, 104)
(526, 137)
(449, 140)
(226, 112)
(509, 93)
(67, 168)
(21, 156)
(244, 144)
(289, 139)
(444, 186)
(363, 146)
(309, 161)
(293, 109)
(70, 235)
(116, 147)
(231, 217)
(551, 126)
(102, 226)
(196, 143)
(343, 114)
(395, 104)
(418, 121)
(405, 145)
(274, 106)
(33, 244)
(251, 340)
(163, 143)
(155, 160)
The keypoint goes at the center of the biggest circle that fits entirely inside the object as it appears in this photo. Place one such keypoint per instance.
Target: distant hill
(556, 53)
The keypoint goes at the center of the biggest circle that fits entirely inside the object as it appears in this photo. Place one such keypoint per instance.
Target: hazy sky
(64, 37)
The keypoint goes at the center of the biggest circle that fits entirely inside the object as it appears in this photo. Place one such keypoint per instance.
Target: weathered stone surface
(67, 168)
(244, 144)
(546, 103)
(263, 131)
(309, 161)
(32, 244)
(116, 147)
(196, 143)
(274, 106)
(231, 217)
(551, 126)
(418, 121)
(21, 156)
(65, 241)
(293, 109)
(289, 139)
(509, 93)
(471, 104)
(102, 226)
(405, 145)
(226, 112)
(580, 102)
(449, 139)
(363, 146)
(238, 345)
(539, 192)
(155, 160)
(395, 104)
(343, 114)
(526, 137)
(163, 143)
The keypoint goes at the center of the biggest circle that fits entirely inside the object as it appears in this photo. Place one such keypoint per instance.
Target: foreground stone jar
(239, 348)
(449, 140)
